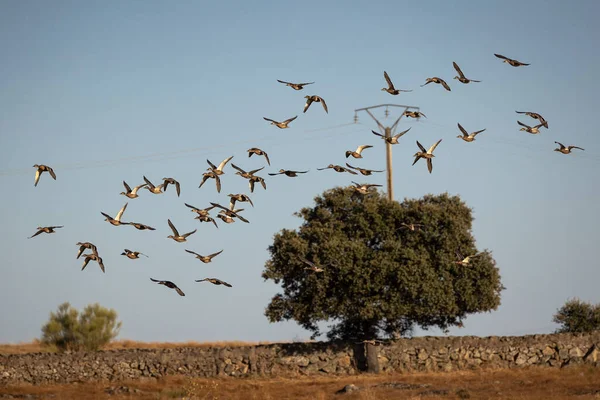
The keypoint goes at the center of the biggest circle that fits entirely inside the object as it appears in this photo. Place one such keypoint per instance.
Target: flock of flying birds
(230, 214)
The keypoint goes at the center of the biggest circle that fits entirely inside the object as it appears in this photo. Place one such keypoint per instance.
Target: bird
(566, 149)
(226, 218)
(413, 114)
(426, 154)
(238, 197)
(170, 285)
(133, 255)
(280, 125)
(258, 152)
(411, 227)
(315, 99)
(535, 115)
(311, 266)
(45, 229)
(93, 257)
(288, 172)
(116, 221)
(40, 169)
(245, 174)
(364, 188)
(152, 188)
(468, 137)
(200, 211)
(358, 152)
(132, 193)
(510, 61)
(461, 77)
(230, 213)
(171, 181)
(86, 245)
(391, 89)
(464, 260)
(218, 170)
(205, 259)
(364, 171)
(214, 281)
(211, 174)
(533, 130)
(435, 79)
(206, 218)
(139, 227)
(391, 139)
(338, 168)
(176, 236)
(253, 179)
(295, 86)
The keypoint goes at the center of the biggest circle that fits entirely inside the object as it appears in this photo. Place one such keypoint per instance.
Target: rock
(348, 389)
(521, 359)
(548, 351)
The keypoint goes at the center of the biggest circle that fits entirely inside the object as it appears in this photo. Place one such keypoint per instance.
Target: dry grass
(537, 383)
(37, 347)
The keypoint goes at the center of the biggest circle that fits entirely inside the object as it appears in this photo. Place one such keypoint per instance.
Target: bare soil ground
(577, 382)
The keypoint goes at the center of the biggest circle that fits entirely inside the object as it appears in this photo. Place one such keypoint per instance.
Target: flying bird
(530, 129)
(40, 169)
(133, 255)
(535, 115)
(199, 211)
(230, 213)
(295, 86)
(391, 89)
(205, 259)
(411, 227)
(258, 152)
(280, 125)
(45, 229)
(245, 174)
(337, 168)
(170, 285)
(437, 80)
(139, 227)
(466, 136)
(214, 281)
(218, 170)
(364, 171)
(171, 181)
(566, 149)
(461, 77)
(253, 179)
(176, 236)
(427, 154)
(238, 197)
(464, 261)
(510, 61)
(116, 221)
(152, 188)
(93, 257)
(358, 152)
(414, 114)
(86, 245)
(311, 266)
(364, 188)
(132, 193)
(288, 172)
(315, 99)
(211, 175)
(391, 139)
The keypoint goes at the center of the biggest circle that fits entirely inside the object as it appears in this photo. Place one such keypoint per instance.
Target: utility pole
(388, 132)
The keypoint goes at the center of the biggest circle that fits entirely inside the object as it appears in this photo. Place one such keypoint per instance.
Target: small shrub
(67, 329)
(578, 316)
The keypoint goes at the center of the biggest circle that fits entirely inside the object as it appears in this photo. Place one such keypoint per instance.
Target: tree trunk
(372, 358)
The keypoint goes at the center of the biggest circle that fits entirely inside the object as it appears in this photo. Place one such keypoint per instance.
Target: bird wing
(215, 254)
(278, 173)
(270, 120)
(305, 261)
(37, 177)
(501, 56)
(388, 80)
(189, 233)
(106, 215)
(445, 85)
(149, 183)
(522, 124)
(464, 132)
(306, 83)
(100, 264)
(287, 121)
(191, 252)
(212, 166)
(51, 171)
(350, 166)
(324, 105)
(429, 165)
(238, 168)
(220, 206)
(120, 213)
(192, 207)
(177, 188)
(225, 161)
(398, 135)
(478, 132)
(156, 280)
(56, 227)
(307, 104)
(218, 183)
(179, 291)
(359, 149)
(421, 147)
(378, 134)
(457, 68)
(577, 147)
(417, 158)
(35, 234)
(126, 187)
(267, 157)
(173, 228)
(284, 82)
(522, 112)
(432, 148)
(255, 170)
(223, 283)
(562, 146)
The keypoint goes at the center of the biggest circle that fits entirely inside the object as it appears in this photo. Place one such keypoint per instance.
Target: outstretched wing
(215, 254)
(270, 120)
(501, 56)
(445, 85)
(421, 147)
(192, 252)
(307, 104)
(457, 68)
(126, 187)
(173, 228)
(522, 124)
(324, 105)
(120, 213)
(398, 135)
(287, 121)
(378, 134)
(284, 82)
(51, 171)
(388, 80)
(464, 132)
(225, 161)
(432, 148)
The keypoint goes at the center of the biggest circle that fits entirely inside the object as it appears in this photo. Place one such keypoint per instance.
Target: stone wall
(416, 354)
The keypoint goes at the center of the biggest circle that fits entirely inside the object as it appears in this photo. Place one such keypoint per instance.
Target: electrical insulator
(387, 112)
(355, 118)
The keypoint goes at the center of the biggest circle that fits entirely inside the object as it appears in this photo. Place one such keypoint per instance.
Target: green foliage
(67, 329)
(578, 316)
(380, 279)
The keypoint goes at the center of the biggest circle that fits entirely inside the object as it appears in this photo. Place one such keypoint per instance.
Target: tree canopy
(381, 276)
(578, 316)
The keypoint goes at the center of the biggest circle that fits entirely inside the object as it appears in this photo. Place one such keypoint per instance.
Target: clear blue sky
(114, 90)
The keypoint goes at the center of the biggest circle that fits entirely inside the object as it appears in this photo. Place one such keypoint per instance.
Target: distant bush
(67, 329)
(578, 316)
